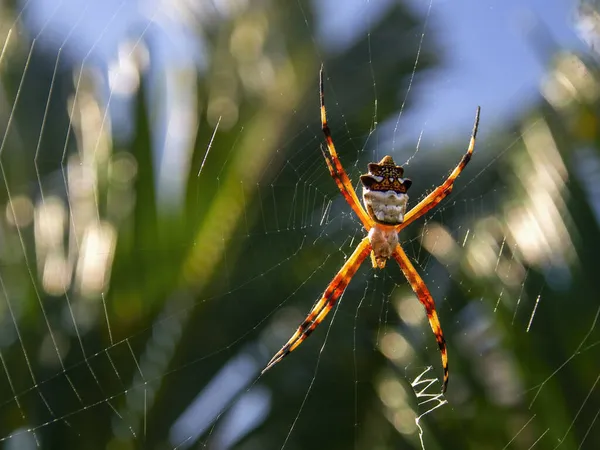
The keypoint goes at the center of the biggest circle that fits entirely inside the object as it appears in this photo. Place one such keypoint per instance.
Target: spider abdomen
(384, 191)
(386, 207)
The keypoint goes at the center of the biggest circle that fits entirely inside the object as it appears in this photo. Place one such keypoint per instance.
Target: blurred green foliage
(262, 232)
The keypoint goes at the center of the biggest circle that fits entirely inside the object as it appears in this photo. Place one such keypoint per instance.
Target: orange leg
(325, 304)
(434, 198)
(335, 166)
(418, 286)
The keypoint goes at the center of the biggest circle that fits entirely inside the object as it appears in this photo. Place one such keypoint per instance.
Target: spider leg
(331, 295)
(335, 166)
(419, 287)
(435, 197)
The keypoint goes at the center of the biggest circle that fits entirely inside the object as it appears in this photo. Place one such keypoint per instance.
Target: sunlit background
(168, 220)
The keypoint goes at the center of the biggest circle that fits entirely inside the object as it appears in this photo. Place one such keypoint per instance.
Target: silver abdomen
(387, 207)
(384, 191)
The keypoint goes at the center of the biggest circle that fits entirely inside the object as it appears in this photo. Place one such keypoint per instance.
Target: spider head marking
(384, 191)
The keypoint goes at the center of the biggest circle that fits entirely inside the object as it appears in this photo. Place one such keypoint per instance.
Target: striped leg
(419, 287)
(434, 198)
(335, 166)
(325, 304)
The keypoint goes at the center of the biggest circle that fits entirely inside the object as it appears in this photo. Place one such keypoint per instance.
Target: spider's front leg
(325, 304)
(335, 166)
(419, 288)
(442, 191)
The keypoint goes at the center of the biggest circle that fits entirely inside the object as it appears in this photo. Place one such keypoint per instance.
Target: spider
(383, 217)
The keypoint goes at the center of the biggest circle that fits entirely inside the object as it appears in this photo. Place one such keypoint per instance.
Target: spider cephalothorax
(384, 192)
(384, 196)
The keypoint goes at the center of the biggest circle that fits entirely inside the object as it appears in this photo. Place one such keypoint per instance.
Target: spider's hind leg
(420, 289)
(331, 295)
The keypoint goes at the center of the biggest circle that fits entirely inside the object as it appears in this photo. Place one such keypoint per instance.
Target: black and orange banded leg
(435, 197)
(419, 287)
(335, 166)
(325, 304)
